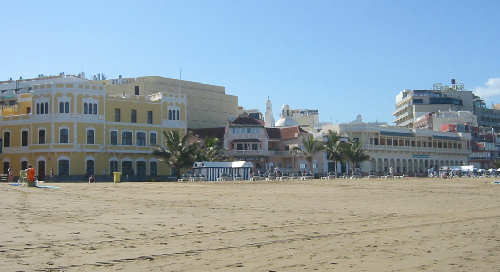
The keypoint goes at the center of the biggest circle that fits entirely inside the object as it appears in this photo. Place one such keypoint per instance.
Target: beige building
(207, 105)
(307, 119)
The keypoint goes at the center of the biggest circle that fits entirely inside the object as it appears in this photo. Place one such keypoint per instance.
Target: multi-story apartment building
(208, 105)
(411, 104)
(307, 119)
(68, 127)
(486, 117)
(436, 120)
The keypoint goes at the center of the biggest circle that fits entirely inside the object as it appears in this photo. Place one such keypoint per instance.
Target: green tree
(178, 151)
(310, 147)
(354, 154)
(334, 148)
(211, 150)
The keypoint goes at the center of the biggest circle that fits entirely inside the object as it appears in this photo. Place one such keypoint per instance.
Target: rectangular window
(255, 147)
(41, 136)
(90, 136)
(114, 138)
(239, 146)
(153, 169)
(24, 138)
(61, 107)
(140, 139)
(150, 117)
(152, 138)
(95, 109)
(133, 116)
(117, 115)
(6, 139)
(64, 136)
(126, 138)
(136, 90)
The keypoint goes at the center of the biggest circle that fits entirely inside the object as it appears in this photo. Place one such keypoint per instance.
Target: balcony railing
(264, 153)
(391, 148)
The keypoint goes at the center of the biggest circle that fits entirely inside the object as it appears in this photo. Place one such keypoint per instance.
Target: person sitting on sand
(91, 179)
(31, 176)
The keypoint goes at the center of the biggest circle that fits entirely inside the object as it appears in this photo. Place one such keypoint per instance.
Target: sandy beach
(336, 225)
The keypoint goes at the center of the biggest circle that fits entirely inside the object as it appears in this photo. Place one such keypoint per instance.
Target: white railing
(391, 148)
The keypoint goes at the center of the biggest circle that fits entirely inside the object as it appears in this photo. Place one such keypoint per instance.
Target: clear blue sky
(341, 57)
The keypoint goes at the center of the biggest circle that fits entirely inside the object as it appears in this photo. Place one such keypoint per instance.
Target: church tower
(269, 119)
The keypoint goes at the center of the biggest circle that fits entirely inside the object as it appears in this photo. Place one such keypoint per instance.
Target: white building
(406, 151)
(412, 104)
(269, 118)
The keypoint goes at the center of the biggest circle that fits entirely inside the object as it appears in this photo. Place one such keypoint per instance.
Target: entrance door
(41, 170)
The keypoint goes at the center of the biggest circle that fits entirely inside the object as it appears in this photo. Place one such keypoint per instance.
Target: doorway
(41, 170)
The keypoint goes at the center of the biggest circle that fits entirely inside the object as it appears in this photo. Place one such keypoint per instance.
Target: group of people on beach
(30, 175)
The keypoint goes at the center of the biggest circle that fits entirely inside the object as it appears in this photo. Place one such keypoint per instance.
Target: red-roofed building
(248, 139)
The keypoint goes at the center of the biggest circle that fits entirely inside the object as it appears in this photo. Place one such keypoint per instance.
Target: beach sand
(337, 225)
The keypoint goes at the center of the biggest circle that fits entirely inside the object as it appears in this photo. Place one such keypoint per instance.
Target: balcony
(390, 148)
(257, 153)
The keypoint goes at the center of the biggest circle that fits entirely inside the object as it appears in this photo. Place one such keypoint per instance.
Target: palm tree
(294, 152)
(334, 148)
(210, 150)
(354, 154)
(310, 147)
(178, 152)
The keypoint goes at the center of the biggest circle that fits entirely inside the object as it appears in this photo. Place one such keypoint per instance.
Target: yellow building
(68, 127)
(208, 105)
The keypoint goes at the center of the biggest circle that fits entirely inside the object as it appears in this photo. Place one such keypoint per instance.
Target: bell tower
(269, 119)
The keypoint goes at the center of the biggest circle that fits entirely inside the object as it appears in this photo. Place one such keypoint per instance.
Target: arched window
(90, 136)
(85, 108)
(113, 166)
(95, 108)
(66, 107)
(90, 167)
(63, 167)
(61, 107)
(46, 107)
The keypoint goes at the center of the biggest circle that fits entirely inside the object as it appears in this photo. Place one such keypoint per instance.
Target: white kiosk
(212, 171)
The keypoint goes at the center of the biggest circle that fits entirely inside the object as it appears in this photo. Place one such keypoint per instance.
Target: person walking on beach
(10, 172)
(31, 176)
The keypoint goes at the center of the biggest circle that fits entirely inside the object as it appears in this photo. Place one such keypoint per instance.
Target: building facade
(248, 139)
(412, 104)
(208, 105)
(406, 151)
(69, 128)
(307, 119)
